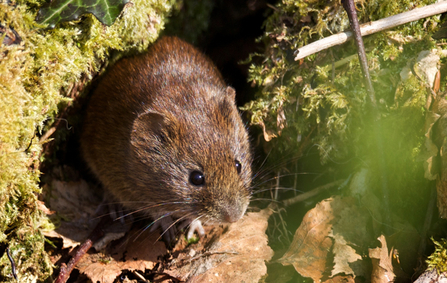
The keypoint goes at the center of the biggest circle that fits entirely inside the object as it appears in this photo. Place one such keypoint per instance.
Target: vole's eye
(238, 166)
(196, 178)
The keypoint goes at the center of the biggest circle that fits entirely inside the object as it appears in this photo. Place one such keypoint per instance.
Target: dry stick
(373, 27)
(309, 194)
(13, 265)
(94, 236)
(354, 21)
(376, 121)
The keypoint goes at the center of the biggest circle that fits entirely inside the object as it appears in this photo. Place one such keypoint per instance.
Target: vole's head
(192, 155)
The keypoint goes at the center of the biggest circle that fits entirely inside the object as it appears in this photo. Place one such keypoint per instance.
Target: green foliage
(322, 99)
(56, 11)
(311, 93)
(438, 259)
(35, 77)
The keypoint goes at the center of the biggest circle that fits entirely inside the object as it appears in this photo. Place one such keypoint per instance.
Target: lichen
(35, 77)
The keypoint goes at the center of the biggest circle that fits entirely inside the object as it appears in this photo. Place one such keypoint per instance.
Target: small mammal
(163, 135)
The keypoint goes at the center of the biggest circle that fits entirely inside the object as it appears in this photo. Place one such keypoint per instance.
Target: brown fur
(155, 118)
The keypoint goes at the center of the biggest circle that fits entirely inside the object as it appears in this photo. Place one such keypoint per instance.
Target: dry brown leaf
(382, 263)
(268, 134)
(139, 251)
(340, 279)
(99, 268)
(330, 231)
(237, 255)
(343, 256)
(311, 244)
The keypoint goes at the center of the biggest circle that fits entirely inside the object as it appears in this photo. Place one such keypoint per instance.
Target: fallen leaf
(382, 263)
(236, 255)
(327, 235)
(343, 256)
(268, 134)
(340, 279)
(311, 244)
(138, 251)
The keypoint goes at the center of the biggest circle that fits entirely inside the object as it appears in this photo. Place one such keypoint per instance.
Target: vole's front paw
(196, 225)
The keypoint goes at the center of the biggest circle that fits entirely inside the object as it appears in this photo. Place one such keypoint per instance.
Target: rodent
(163, 135)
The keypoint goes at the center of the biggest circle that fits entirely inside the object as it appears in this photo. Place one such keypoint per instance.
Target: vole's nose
(234, 214)
(230, 218)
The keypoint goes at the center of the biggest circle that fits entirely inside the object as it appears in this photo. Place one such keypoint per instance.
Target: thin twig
(355, 26)
(67, 269)
(309, 194)
(354, 21)
(13, 265)
(372, 27)
(376, 121)
(94, 236)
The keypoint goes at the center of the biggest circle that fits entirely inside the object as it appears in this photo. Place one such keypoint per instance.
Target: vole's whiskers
(173, 223)
(278, 177)
(262, 164)
(166, 215)
(143, 208)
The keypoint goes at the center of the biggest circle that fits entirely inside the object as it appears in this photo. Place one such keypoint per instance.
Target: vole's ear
(231, 93)
(149, 128)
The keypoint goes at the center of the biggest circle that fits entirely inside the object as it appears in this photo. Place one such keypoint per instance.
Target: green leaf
(106, 11)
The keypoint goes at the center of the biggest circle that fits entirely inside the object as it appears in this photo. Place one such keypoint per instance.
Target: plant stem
(372, 27)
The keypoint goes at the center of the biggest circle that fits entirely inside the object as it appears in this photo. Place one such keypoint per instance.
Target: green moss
(438, 259)
(323, 97)
(34, 78)
(309, 83)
